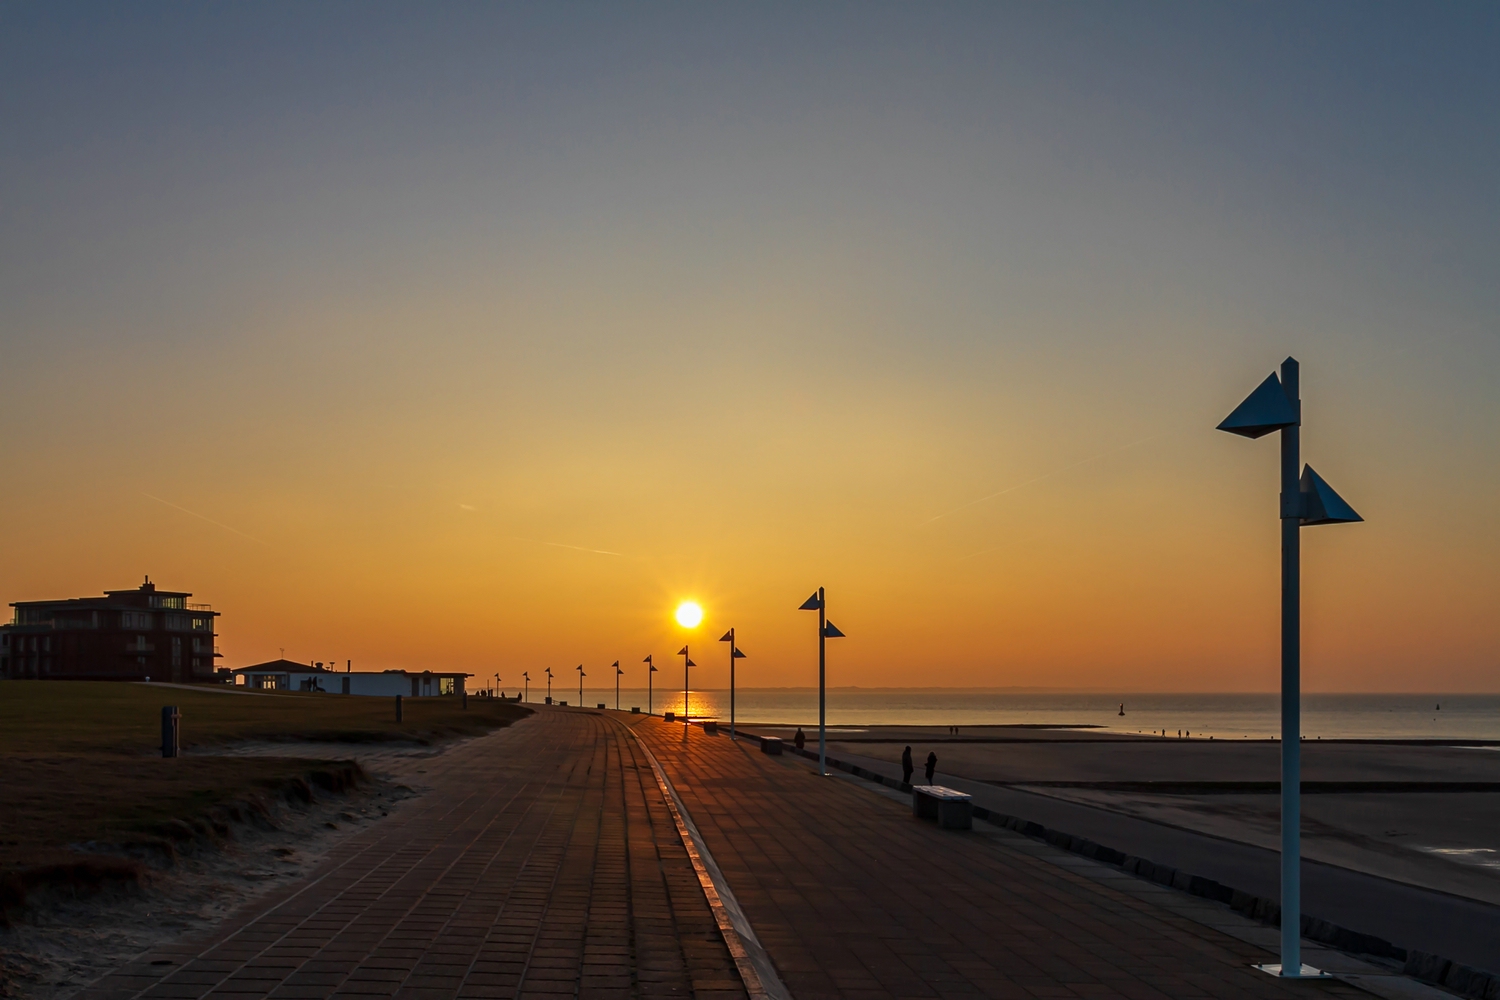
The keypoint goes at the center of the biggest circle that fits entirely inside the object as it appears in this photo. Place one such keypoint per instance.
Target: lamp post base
(1308, 972)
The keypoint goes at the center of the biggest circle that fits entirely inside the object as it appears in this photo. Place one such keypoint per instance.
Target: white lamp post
(686, 662)
(734, 654)
(1276, 405)
(826, 630)
(650, 669)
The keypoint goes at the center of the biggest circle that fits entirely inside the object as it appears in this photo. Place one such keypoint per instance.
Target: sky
(479, 336)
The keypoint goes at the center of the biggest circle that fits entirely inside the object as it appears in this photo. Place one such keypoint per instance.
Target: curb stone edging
(1467, 981)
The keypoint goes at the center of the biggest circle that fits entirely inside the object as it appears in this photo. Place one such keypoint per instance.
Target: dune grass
(82, 778)
(112, 718)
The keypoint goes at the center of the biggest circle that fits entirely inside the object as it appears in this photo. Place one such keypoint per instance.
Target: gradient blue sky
(425, 312)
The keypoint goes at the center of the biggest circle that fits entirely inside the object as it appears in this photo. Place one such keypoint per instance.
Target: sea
(1223, 716)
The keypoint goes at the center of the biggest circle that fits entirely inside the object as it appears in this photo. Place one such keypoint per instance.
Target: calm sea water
(1225, 716)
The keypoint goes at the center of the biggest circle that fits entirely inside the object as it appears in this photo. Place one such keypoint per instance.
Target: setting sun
(689, 614)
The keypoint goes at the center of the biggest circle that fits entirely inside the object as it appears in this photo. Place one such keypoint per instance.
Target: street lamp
(549, 685)
(526, 691)
(581, 676)
(734, 654)
(686, 662)
(650, 669)
(618, 672)
(1276, 405)
(826, 630)
(497, 685)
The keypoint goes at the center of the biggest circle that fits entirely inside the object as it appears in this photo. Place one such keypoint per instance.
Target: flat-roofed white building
(286, 675)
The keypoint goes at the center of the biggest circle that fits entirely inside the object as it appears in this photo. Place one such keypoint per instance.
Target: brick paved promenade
(853, 898)
(542, 861)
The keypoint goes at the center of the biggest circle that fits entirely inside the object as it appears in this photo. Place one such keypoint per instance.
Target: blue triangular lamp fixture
(1265, 410)
(1320, 503)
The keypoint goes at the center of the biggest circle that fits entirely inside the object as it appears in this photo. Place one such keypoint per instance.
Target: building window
(178, 623)
(203, 624)
(176, 651)
(135, 619)
(445, 685)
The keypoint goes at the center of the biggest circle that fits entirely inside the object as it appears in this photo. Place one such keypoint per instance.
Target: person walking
(906, 767)
(931, 765)
(799, 739)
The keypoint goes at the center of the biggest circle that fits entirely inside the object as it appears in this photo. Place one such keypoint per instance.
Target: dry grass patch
(86, 799)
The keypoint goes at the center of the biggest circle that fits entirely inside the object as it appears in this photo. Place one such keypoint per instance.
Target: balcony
(200, 607)
(140, 647)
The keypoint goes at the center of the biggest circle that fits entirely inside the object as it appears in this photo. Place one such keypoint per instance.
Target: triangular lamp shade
(811, 604)
(831, 631)
(682, 651)
(691, 663)
(727, 636)
(738, 655)
(1265, 410)
(653, 668)
(1320, 504)
(615, 664)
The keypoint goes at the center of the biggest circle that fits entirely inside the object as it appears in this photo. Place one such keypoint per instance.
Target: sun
(689, 614)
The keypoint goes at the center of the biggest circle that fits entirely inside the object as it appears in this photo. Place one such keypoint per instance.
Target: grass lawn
(81, 772)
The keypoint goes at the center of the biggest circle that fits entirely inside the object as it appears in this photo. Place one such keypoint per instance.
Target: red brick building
(126, 635)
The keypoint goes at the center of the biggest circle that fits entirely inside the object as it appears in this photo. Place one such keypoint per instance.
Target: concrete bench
(711, 728)
(669, 716)
(771, 745)
(953, 810)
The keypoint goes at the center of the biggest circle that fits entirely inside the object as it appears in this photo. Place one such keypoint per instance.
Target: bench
(711, 728)
(669, 716)
(771, 745)
(953, 810)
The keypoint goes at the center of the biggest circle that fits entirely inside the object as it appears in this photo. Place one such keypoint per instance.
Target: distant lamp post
(581, 676)
(526, 691)
(734, 654)
(1276, 405)
(549, 685)
(686, 662)
(650, 669)
(618, 672)
(497, 685)
(826, 630)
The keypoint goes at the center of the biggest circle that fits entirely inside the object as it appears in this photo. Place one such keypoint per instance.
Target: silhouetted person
(799, 739)
(931, 765)
(906, 767)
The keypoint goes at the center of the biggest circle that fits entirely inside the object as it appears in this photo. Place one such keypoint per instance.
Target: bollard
(398, 708)
(171, 724)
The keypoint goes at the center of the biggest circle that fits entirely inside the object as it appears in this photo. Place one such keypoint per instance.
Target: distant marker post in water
(1276, 405)
(826, 630)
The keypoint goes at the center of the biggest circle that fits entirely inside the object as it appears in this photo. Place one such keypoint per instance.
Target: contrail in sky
(561, 545)
(210, 520)
(1037, 479)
